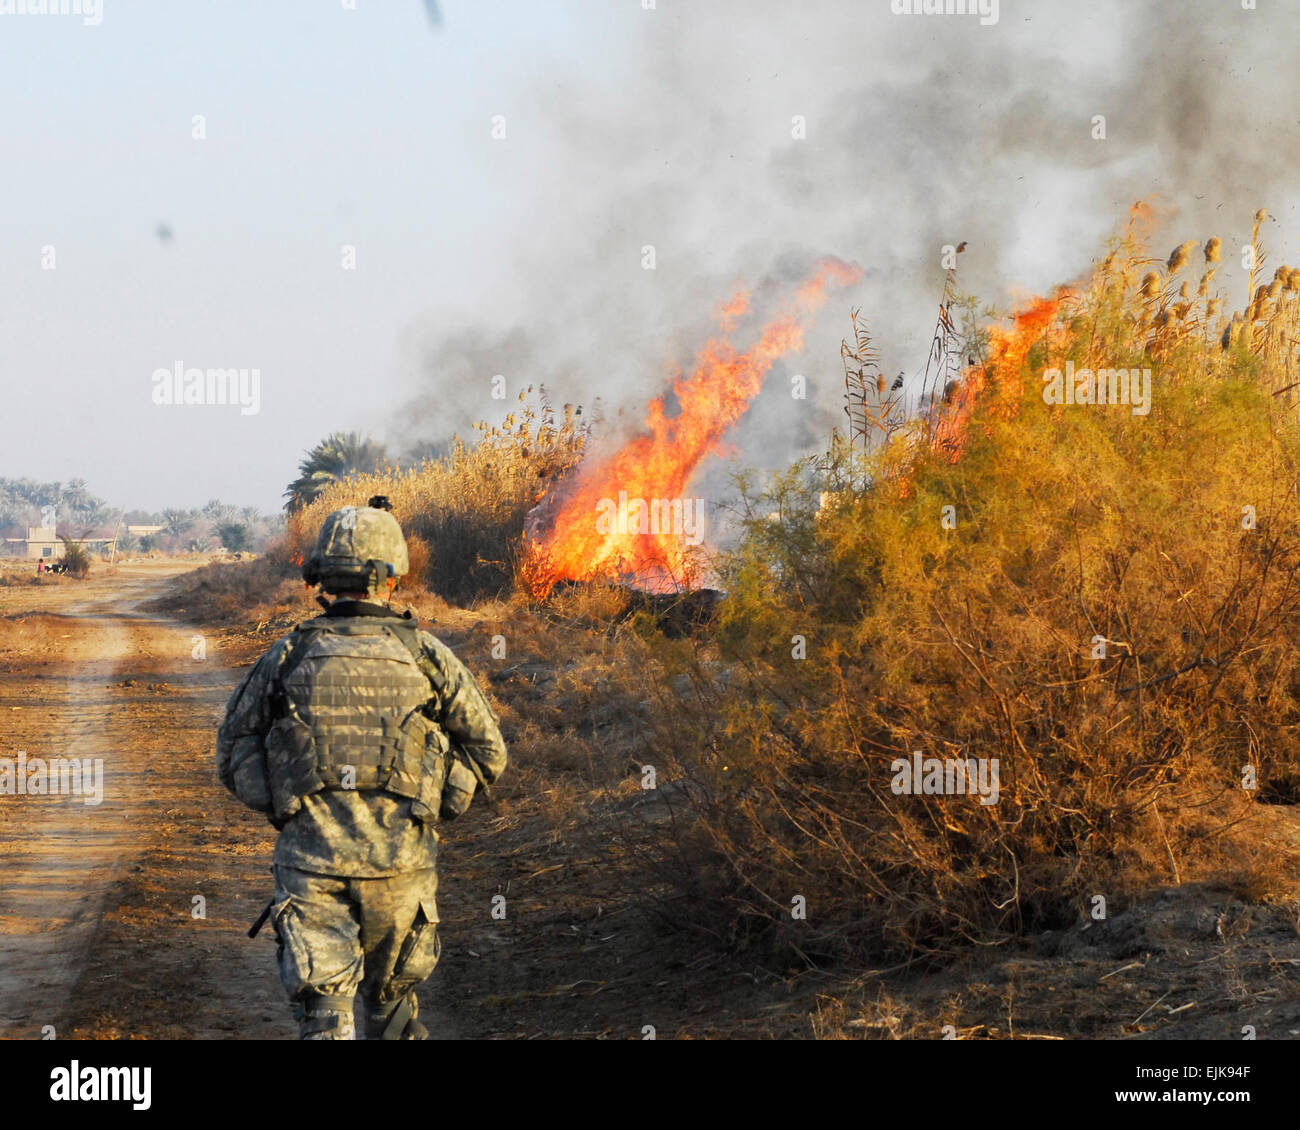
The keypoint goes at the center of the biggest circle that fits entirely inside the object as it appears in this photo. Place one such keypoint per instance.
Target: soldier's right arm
(248, 716)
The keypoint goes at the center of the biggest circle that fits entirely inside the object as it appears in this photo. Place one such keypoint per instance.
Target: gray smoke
(921, 131)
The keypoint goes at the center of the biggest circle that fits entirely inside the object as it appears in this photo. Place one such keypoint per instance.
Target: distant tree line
(80, 514)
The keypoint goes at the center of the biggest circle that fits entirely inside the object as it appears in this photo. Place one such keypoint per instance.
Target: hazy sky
(370, 126)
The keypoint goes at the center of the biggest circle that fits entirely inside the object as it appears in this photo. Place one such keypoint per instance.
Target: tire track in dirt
(97, 937)
(61, 853)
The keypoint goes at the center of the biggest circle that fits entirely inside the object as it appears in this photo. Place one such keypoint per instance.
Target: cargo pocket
(419, 953)
(291, 950)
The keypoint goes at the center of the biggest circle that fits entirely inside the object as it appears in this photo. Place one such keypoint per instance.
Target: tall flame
(566, 540)
(1001, 374)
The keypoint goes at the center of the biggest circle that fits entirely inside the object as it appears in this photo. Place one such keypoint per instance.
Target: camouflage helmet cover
(358, 546)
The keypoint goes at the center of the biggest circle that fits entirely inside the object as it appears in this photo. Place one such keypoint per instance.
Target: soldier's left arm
(465, 712)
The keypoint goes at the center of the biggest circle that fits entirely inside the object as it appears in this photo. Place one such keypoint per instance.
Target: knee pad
(324, 1018)
(395, 1020)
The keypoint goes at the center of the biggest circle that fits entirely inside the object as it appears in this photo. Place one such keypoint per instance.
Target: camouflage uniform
(386, 745)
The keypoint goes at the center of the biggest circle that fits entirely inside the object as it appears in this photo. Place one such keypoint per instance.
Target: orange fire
(607, 519)
(1001, 375)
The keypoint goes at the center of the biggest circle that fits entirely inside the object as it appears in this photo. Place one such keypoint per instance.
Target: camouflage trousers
(340, 938)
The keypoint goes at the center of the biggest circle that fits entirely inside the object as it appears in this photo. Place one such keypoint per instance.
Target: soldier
(354, 734)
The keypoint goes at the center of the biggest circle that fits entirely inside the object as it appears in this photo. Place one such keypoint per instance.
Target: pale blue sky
(324, 127)
(327, 126)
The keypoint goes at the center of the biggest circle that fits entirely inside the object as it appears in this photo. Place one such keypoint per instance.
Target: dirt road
(86, 675)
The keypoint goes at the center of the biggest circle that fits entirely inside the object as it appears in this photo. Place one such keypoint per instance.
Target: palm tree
(177, 521)
(77, 497)
(335, 458)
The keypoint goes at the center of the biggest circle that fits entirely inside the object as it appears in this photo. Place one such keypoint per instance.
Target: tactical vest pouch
(457, 789)
(437, 748)
(405, 776)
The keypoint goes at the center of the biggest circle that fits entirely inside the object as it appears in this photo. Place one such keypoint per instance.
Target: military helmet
(358, 548)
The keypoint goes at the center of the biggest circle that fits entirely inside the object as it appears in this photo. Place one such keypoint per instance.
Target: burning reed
(1105, 606)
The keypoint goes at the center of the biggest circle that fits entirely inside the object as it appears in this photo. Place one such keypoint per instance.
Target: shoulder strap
(294, 653)
(405, 628)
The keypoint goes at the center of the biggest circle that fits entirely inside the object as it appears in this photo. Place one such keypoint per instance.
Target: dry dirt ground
(127, 919)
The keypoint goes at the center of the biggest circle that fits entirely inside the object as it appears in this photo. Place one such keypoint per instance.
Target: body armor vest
(350, 701)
